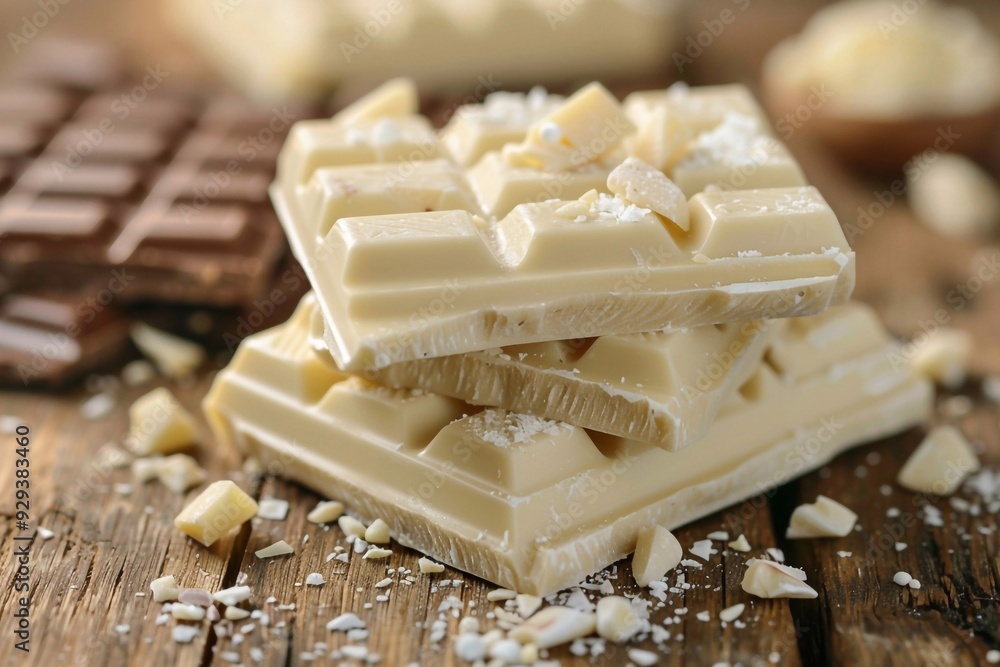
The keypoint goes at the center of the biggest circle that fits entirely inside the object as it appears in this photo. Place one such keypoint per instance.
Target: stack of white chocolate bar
(556, 324)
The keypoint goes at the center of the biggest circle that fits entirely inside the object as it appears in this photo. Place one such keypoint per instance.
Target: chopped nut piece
(351, 526)
(279, 548)
(216, 511)
(768, 579)
(427, 566)
(233, 595)
(740, 544)
(377, 532)
(824, 518)
(326, 511)
(555, 625)
(644, 185)
(501, 594)
(272, 508)
(730, 614)
(943, 356)
(375, 553)
(955, 197)
(616, 619)
(657, 551)
(940, 463)
(158, 424)
(187, 612)
(528, 604)
(174, 357)
(165, 588)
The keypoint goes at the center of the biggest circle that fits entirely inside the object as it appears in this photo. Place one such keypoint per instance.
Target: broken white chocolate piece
(279, 548)
(187, 612)
(376, 553)
(326, 511)
(617, 619)
(939, 463)
(362, 217)
(219, 509)
(553, 626)
(501, 594)
(954, 196)
(663, 388)
(768, 579)
(590, 124)
(236, 614)
(165, 588)
(158, 424)
(351, 526)
(317, 579)
(378, 266)
(427, 566)
(377, 532)
(233, 595)
(179, 472)
(657, 552)
(943, 355)
(640, 183)
(394, 98)
(498, 478)
(730, 614)
(174, 357)
(527, 604)
(274, 509)
(823, 518)
(740, 544)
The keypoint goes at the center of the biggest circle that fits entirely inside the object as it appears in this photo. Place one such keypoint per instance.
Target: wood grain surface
(92, 576)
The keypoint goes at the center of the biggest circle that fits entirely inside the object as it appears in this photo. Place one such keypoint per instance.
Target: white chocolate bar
(296, 47)
(536, 505)
(413, 256)
(661, 388)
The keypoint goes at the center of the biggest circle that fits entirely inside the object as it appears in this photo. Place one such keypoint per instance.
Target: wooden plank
(107, 546)
(865, 618)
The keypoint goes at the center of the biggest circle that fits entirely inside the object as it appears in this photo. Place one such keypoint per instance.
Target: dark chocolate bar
(135, 180)
(47, 339)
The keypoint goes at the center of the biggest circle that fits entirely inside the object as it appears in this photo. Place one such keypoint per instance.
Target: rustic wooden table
(108, 545)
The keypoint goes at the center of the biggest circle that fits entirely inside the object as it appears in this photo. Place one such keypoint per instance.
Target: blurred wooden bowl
(881, 144)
